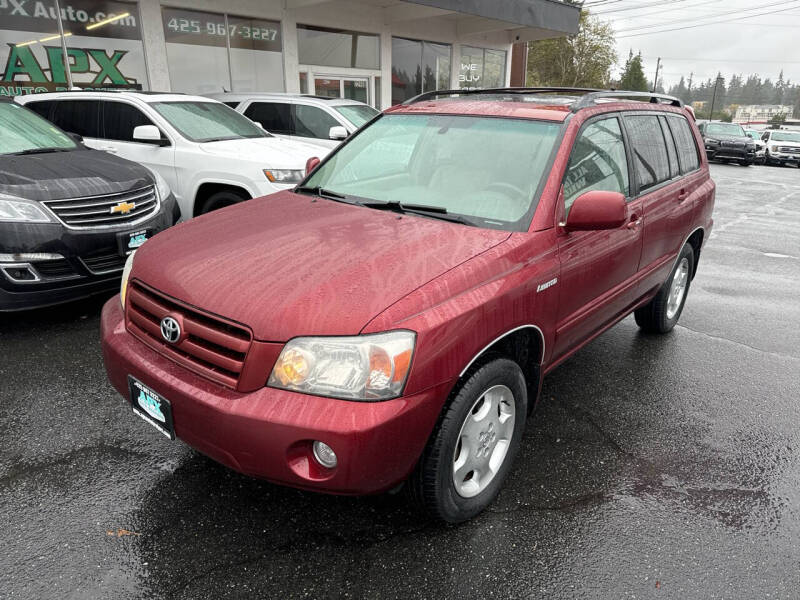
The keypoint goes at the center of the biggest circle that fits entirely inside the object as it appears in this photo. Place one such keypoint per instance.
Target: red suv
(390, 319)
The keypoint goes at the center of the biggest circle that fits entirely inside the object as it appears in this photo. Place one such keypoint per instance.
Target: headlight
(126, 273)
(362, 367)
(773, 148)
(19, 210)
(712, 141)
(284, 175)
(162, 187)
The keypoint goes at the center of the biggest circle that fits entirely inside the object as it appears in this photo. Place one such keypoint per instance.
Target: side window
(648, 148)
(43, 108)
(313, 122)
(765, 137)
(685, 142)
(674, 169)
(274, 117)
(78, 116)
(597, 162)
(120, 119)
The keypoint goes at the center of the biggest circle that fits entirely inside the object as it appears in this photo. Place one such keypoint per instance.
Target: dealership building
(377, 51)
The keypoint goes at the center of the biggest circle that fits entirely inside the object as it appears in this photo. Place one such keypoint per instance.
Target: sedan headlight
(284, 175)
(126, 273)
(362, 367)
(20, 210)
(162, 187)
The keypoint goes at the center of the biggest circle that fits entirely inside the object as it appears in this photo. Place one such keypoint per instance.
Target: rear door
(598, 268)
(119, 119)
(666, 183)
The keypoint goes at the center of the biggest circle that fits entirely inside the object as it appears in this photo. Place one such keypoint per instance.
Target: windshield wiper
(321, 192)
(41, 151)
(223, 138)
(437, 212)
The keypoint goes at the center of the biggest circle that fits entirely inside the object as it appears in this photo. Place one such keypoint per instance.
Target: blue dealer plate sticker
(151, 407)
(130, 241)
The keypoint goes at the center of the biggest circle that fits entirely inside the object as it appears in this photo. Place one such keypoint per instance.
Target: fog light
(324, 454)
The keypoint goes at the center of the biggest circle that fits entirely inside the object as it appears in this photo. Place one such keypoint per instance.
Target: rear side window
(313, 122)
(120, 119)
(649, 150)
(274, 117)
(78, 116)
(674, 169)
(597, 162)
(684, 141)
(42, 108)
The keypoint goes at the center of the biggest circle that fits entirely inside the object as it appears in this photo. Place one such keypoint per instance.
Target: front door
(598, 268)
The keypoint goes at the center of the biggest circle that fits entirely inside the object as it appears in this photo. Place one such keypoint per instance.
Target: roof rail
(587, 96)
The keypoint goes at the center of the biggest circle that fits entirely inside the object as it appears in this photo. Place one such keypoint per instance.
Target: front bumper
(728, 153)
(793, 157)
(268, 433)
(72, 263)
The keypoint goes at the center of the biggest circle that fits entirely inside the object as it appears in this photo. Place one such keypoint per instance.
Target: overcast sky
(762, 44)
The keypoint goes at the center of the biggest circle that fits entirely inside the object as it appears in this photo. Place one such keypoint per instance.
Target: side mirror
(597, 210)
(311, 164)
(337, 133)
(149, 134)
(78, 139)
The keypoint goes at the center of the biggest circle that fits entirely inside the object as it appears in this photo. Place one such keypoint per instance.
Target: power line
(630, 35)
(616, 10)
(722, 14)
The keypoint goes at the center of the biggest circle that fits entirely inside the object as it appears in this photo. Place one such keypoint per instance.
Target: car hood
(288, 264)
(71, 174)
(788, 144)
(730, 138)
(273, 152)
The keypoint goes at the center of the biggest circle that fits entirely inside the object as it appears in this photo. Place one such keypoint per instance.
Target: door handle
(634, 223)
(682, 195)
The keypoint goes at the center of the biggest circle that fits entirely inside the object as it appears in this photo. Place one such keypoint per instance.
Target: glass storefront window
(203, 59)
(337, 48)
(418, 67)
(103, 39)
(481, 68)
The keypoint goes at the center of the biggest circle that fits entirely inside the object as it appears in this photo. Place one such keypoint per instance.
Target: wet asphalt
(655, 467)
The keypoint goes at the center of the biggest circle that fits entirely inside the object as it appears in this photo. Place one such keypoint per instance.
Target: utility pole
(713, 99)
(655, 79)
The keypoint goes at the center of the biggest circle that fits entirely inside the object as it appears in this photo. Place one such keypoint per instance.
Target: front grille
(100, 264)
(208, 345)
(94, 211)
(789, 149)
(54, 268)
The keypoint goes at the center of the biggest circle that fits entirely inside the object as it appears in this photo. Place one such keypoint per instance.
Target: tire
(746, 163)
(490, 397)
(221, 199)
(661, 314)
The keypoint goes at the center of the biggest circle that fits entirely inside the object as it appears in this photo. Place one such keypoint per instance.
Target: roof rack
(587, 96)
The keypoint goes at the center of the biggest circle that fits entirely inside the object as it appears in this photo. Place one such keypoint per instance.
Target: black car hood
(730, 138)
(72, 174)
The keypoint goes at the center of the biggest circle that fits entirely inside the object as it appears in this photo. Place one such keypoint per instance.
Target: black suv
(69, 216)
(728, 141)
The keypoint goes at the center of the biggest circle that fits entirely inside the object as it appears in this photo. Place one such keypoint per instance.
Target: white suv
(318, 119)
(210, 155)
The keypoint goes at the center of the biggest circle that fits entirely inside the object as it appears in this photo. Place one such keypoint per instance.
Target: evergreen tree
(633, 78)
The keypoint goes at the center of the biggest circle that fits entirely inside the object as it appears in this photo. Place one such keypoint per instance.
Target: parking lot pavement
(655, 467)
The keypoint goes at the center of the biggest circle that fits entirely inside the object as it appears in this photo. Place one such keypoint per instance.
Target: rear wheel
(221, 199)
(661, 314)
(474, 444)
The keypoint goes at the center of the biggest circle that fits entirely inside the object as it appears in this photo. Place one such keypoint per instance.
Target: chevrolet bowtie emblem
(123, 208)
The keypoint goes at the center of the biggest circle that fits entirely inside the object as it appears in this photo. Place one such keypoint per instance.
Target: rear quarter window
(685, 143)
(78, 116)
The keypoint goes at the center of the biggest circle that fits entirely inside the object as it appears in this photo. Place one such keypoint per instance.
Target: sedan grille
(207, 345)
(110, 209)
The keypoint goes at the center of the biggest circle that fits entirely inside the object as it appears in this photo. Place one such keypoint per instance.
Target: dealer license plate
(151, 407)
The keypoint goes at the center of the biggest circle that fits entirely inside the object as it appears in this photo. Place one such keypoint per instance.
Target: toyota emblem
(170, 329)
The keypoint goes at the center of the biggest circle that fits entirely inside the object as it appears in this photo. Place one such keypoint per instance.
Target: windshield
(208, 121)
(357, 114)
(784, 136)
(731, 129)
(22, 130)
(483, 168)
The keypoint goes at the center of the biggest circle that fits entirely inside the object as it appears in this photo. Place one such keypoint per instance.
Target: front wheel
(661, 314)
(473, 445)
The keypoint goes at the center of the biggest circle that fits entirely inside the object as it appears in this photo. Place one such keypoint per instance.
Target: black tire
(655, 317)
(221, 199)
(746, 163)
(431, 487)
